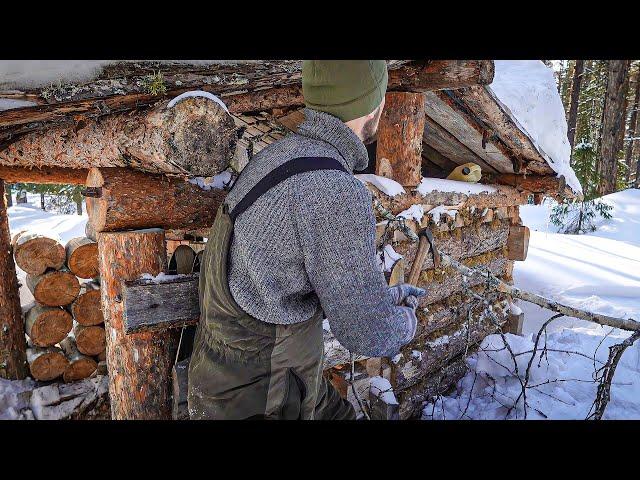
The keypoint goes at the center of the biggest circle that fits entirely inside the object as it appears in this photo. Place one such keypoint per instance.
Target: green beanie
(346, 89)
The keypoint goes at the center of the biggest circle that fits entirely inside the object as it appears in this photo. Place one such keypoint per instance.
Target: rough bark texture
(86, 309)
(82, 257)
(613, 118)
(46, 363)
(47, 326)
(12, 341)
(54, 289)
(34, 253)
(399, 150)
(132, 200)
(573, 107)
(80, 366)
(139, 364)
(45, 175)
(633, 128)
(196, 136)
(550, 185)
(441, 74)
(90, 339)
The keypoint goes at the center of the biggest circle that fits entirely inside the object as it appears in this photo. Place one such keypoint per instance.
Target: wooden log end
(54, 289)
(79, 368)
(90, 340)
(35, 254)
(46, 363)
(86, 308)
(48, 326)
(82, 257)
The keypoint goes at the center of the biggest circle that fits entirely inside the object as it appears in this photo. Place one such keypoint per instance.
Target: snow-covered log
(196, 136)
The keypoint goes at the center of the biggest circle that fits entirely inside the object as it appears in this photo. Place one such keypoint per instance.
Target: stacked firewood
(64, 323)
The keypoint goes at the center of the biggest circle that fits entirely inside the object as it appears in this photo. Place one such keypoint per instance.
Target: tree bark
(44, 175)
(633, 127)
(551, 185)
(82, 257)
(54, 289)
(399, 150)
(7, 192)
(42, 201)
(196, 136)
(133, 200)
(139, 364)
(86, 309)
(429, 75)
(80, 366)
(46, 363)
(35, 253)
(47, 326)
(575, 96)
(613, 118)
(12, 342)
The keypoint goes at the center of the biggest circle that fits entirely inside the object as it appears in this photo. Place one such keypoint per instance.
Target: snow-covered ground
(599, 272)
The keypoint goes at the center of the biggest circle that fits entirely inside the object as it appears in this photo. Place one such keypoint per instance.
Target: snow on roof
(528, 90)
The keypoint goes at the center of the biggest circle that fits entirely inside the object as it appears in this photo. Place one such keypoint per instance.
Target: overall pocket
(296, 392)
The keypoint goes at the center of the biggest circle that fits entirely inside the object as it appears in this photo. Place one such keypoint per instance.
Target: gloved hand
(409, 315)
(399, 293)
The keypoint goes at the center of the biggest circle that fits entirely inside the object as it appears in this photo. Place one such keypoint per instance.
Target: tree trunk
(139, 364)
(35, 253)
(86, 309)
(612, 125)
(21, 197)
(47, 326)
(82, 257)
(575, 96)
(46, 363)
(7, 191)
(12, 341)
(42, 201)
(79, 206)
(125, 199)
(54, 289)
(90, 339)
(399, 150)
(80, 366)
(196, 136)
(633, 128)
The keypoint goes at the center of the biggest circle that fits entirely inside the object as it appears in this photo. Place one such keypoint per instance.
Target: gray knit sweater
(310, 241)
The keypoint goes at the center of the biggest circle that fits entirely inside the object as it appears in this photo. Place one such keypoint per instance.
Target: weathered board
(175, 296)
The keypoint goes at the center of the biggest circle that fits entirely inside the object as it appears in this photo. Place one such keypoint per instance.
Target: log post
(399, 150)
(518, 243)
(139, 364)
(12, 341)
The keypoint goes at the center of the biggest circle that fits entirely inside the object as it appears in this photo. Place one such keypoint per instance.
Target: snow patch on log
(218, 182)
(381, 388)
(528, 90)
(385, 185)
(198, 93)
(414, 212)
(428, 185)
(387, 258)
(440, 210)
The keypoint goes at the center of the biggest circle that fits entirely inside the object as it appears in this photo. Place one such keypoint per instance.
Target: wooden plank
(439, 107)
(399, 149)
(435, 157)
(159, 305)
(448, 145)
(518, 243)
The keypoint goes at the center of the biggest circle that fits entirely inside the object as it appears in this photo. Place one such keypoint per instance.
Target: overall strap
(280, 174)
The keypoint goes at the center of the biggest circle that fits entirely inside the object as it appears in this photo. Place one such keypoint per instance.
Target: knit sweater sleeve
(336, 227)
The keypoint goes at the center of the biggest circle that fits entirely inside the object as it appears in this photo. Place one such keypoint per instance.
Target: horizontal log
(46, 363)
(196, 136)
(47, 326)
(54, 288)
(90, 340)
(86, 308)
(550, 184)
(429, 75)
(166, 303)
(127, 199)
(35, 252)
(44, 175)
(82, 257)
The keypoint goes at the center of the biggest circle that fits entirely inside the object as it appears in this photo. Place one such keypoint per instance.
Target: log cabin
(155, 171)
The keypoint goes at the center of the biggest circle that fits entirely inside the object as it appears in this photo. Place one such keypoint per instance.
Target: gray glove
(399, 293)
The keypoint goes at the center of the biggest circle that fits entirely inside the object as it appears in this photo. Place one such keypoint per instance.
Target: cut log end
(90, 340)
(47, 326)
(54, 289)
(82, 257)
(46, 363)
(80, 366)
(35, 254)
(86, 308)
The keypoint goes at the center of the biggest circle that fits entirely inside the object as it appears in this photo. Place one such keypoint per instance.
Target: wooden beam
(46, 175)
(399, 150)
(460, 124)
(139, 364)
(549, 184)
(13, 357)
(159, 305)
(427, 75)
(518, 243)
(121, 198)
(195, 136)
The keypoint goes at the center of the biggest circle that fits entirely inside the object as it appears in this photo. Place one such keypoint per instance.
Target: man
(296, 239)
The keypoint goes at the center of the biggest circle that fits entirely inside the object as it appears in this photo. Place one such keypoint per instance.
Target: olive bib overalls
(241, 367)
